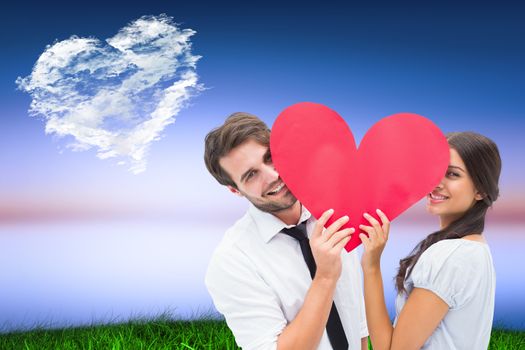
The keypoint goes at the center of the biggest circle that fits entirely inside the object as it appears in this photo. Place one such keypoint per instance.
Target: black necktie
(334, 327)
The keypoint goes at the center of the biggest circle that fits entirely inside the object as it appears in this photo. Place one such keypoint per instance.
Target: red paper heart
(400, 159)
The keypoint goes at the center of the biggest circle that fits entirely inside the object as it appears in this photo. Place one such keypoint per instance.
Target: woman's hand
(375, 242)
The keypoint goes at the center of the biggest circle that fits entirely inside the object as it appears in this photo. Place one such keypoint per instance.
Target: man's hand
(306, 330)
(326, 246)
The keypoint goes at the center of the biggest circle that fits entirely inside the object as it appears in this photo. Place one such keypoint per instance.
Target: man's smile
(276, 189)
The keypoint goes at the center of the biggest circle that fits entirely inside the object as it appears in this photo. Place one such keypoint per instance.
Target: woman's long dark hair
(483, 163)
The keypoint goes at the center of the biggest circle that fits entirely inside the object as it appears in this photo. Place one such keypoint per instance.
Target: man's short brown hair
(237, 129)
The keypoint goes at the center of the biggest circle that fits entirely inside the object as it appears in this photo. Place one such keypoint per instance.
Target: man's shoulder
(230, 255)
(241, 230)
(236, 241)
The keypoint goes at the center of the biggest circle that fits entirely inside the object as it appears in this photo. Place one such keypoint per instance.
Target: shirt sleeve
(250, 307)
(448, 272)
(363, 331)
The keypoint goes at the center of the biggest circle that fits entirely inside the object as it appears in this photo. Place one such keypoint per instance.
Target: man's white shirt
(258, 279)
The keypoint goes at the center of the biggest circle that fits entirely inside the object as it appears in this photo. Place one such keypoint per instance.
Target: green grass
(165, 334)
(504, 339)
(134, 335)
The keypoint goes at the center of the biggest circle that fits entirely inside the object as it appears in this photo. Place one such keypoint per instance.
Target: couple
(271, 299)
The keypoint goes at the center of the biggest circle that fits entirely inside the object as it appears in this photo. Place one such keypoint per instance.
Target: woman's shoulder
(458, 248)
(457, 255)
(453, 269)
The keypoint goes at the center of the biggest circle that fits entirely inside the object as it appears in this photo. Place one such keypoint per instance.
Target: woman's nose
(440, 184)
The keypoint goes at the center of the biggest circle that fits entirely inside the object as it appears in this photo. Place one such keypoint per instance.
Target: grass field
(164, 334)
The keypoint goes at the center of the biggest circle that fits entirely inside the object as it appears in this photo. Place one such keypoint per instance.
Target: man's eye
(268, 158)
(250, 175)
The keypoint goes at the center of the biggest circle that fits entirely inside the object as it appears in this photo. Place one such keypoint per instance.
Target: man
(258, 277)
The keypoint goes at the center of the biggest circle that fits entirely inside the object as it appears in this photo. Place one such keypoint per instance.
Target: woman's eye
(452, 174)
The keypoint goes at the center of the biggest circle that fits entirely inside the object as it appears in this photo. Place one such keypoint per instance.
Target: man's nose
(270, 173)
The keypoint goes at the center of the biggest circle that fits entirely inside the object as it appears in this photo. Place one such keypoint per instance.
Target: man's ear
(234, 191)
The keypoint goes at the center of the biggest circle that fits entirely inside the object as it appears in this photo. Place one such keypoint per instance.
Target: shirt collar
(269, 225)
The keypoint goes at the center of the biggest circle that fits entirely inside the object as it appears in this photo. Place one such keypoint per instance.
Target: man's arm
(251, 308)
(306, 330)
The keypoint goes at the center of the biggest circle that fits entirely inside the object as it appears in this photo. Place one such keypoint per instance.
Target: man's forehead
(243, 157)
(249, 150)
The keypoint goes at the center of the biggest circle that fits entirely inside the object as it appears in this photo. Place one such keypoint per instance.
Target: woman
(446, 285)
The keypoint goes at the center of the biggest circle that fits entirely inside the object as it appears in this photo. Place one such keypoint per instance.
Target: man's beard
(270, 206)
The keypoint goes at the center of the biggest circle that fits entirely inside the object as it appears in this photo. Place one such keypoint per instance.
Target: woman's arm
(379, 325)
(422, 312)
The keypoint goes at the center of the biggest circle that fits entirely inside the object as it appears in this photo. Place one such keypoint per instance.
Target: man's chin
(276, 207)
(286, 207)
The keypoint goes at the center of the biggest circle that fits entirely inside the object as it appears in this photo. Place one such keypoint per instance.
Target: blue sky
(460, 66)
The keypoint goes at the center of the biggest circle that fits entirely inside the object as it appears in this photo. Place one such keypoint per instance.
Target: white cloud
(119, 95)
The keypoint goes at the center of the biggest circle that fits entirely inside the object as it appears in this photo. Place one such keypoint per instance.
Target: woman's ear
(479, 196)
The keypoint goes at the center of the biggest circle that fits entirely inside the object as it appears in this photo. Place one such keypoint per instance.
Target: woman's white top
(461, 272)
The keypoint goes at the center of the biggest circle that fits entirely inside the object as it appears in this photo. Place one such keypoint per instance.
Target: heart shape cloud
(400, 160)
(119, 95)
